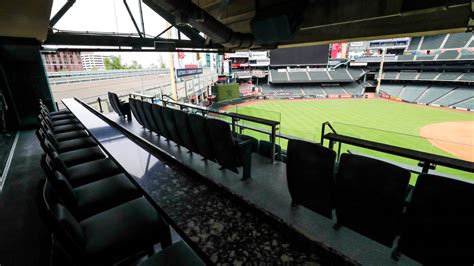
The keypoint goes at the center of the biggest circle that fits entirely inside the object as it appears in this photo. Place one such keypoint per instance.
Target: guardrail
(427, 161)
(274, 125)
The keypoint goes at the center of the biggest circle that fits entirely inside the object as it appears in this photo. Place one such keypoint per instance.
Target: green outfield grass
(378, 120)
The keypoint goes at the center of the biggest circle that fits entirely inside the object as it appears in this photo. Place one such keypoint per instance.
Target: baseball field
(439, 131)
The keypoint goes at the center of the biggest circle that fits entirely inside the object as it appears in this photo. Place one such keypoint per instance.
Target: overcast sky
(112, 16)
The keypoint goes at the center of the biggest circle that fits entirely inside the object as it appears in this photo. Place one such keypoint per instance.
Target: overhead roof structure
(228, 25)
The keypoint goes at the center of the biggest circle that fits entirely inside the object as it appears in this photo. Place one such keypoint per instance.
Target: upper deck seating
(369, 196)
(414, 43)
(120, 107)
(340, 74)
(457, 40)
(319, 76)
(467, 76)
(438, 228)
(449, 76)
(428, 75)
(278, 76)
(298, 76)
(407, 75)
(432, 42)
(390, 75)
(310, 174)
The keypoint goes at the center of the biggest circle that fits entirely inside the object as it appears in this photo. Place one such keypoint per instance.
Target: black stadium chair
(147, 111)
(71, 158)
(265, 149)
(157, 112)
(438, 225)
(83, 173)
(66, 145)
(134, 108)
(254, 142)
(61, 129)
(109, 237)
(168, 118)
(95, 197)
(141, 113)
(369, 197)
(182, 124)
(197, 125)
(230, 153)
(310, 174)
(120, 107)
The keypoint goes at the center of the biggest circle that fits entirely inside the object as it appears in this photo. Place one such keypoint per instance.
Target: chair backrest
(254, 141)
(182, 124)
(134, 108)
(310, 175)
(438, 225)
(149, 116)
(157, 112)
(141, 113)
(369, 196)
(226, 151)
(64, 190)
(265, 148)
(61, 222)
(168, 118)
(113, 102)
(197, 124)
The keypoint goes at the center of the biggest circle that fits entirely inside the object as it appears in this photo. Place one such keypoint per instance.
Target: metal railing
(427, 161)
(274, 125)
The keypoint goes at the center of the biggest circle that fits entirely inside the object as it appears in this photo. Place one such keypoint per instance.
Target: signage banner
(182, 72)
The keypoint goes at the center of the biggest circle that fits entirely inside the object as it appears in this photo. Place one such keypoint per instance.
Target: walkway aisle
(23, 237)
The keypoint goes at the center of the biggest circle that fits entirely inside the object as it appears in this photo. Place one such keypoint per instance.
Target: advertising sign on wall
(182, 72)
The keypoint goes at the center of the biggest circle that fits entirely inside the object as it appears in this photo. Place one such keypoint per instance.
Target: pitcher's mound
(456, 138)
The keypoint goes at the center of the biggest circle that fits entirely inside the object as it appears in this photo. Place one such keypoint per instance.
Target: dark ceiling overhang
(89, 41)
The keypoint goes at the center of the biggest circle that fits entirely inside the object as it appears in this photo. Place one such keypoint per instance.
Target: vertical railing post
(233, 124)
(273, 142)
(99, 101)
(57, 106)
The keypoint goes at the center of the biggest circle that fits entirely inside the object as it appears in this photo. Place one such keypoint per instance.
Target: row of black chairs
(211, 138)
(369, 197)
(96, 214)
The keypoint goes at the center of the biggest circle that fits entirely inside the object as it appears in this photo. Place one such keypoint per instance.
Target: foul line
(9, 161)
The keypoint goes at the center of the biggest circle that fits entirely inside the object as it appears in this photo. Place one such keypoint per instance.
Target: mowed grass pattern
(373, 119)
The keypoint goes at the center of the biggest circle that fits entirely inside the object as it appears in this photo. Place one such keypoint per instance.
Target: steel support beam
(61, 12)
(133, 19)
(136, 43)
(191, 33)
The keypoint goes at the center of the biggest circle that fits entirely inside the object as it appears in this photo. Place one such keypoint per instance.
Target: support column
(174, 90)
